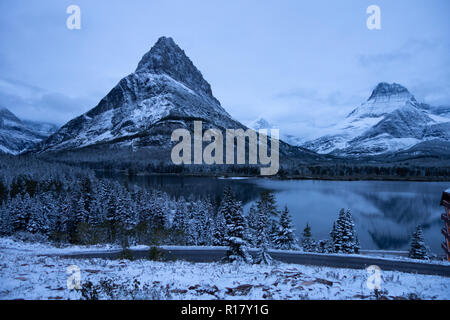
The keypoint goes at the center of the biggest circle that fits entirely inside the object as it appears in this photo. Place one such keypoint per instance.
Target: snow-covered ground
(26, 274)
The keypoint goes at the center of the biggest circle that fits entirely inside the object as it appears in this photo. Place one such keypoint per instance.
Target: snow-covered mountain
(391, 120)
(16, 135)
(165, 91)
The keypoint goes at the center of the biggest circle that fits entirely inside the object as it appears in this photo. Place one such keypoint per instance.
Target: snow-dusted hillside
(389, 121)
(165, 89)
(17, 135)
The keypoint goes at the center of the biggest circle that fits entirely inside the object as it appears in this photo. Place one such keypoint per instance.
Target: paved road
(212, 255)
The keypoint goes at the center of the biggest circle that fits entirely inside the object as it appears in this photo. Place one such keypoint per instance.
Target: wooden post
(445, 202)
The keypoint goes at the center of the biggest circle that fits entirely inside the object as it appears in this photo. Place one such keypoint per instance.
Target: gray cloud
(33, 103)
(404, 53)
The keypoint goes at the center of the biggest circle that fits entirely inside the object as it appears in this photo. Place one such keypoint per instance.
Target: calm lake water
(385, 212)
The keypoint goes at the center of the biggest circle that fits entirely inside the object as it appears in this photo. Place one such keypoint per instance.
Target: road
(335, 261)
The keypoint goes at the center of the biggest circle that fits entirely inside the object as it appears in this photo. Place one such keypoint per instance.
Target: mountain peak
(166, 57)
(260, 123)
(5, 113)
(388, 90)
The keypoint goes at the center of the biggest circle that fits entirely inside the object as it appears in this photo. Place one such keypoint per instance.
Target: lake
(385, 212)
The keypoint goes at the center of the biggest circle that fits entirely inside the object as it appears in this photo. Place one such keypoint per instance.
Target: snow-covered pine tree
(111, 220)
(19, 216)
(158, 217)
(191, 223)
(418, 249)
(6, 225)
(252, 219)
(38, 222)
(325, 246)
(343, 235)
(308, 243)
(203, 222)
(267, 203)
(86, 192)
(273, 214)
(3, 192)
(232, 211)
(220, 230)
(126, 210)
(179, 219)
(285, 238)
(80, 211)
(262, 239)
(48, 212)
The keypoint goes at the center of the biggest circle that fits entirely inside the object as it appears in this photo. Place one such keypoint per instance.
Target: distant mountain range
(167, 92)
(391, 121)
(18, 135)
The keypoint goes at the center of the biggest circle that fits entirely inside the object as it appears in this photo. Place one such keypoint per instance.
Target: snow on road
(24, 274)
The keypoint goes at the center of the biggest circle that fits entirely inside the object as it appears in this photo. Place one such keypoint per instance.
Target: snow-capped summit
(17, 135)
(387, 91)
(385, 98)
(166, 57)
(389, 121)
(259, 123)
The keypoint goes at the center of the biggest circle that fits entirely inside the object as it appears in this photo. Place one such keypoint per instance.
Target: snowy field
(25, 274)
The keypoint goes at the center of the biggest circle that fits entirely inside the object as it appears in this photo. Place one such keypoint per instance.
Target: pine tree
(126, 211)
(343, 234)
(38, 222)
(418, 249)
(232, 211)
(80, 211)
(285, 238)
(111, 217)
(262, 239)
(252, 222)
(220, 230)
(19, 215)
(65, 220)
(6, 225)
(267, 204)
(3, 192)
(203, 222)
(179, 219)
(308, 243)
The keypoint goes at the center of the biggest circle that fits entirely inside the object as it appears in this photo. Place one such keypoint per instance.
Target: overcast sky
(302, 65)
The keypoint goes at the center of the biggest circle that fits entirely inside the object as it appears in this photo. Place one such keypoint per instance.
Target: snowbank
(24, 274)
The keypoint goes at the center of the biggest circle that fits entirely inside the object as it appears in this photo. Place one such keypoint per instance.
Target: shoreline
(228, 176)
